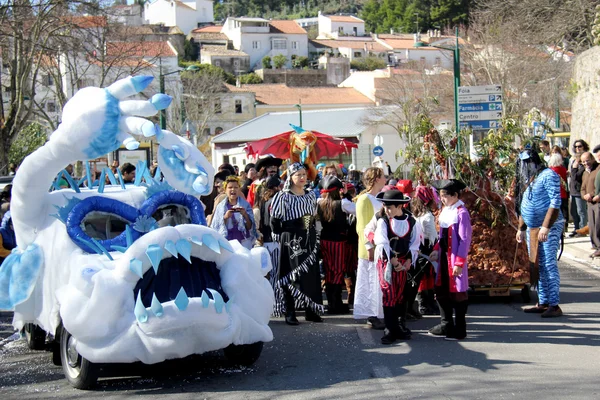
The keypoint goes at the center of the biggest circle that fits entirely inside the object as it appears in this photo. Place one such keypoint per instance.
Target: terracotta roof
(140, 49)
(279, 94)
(208, 29)
(86, 22)
(222, 51)
(344, 18)
(282, 26)
(130, 62)
(351, 44)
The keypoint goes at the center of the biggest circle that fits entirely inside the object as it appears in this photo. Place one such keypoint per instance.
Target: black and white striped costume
(293, 225)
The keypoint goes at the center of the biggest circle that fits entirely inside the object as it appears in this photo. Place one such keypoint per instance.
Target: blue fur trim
(105, 140)
(18, 275)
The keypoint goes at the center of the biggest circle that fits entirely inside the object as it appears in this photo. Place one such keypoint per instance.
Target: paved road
(508, 355)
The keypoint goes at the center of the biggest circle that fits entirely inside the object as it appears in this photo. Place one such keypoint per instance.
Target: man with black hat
(266, 166)
(397, 237)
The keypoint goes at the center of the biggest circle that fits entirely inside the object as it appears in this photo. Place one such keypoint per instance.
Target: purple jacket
(459, 238)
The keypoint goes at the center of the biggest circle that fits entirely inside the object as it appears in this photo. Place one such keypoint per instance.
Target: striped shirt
(287, 206)
(541, 194)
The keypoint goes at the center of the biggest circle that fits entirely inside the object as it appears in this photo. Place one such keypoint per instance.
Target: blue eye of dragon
(101, 222)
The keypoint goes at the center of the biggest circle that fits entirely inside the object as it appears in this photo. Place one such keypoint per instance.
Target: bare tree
(201, 101)
(565, 23)
(532, 75)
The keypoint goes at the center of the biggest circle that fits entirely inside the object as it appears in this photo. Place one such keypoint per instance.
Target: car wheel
(81, 373)
(244, 354)
(35, 336)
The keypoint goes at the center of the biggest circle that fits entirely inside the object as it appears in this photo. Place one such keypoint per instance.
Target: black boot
(422, 304)
(460, 328)
(431, 302)
(312, 316)
(331, 301)
(341, 307)
(446, 325)
(403, 333)
(290, 309)
(390, 318)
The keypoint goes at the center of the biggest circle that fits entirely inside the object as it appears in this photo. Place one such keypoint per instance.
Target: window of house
(217, 63)
(236, 63)
(256, 44)
(238, 106)
(279, 44)
(438, 61)
(357, 54)
(218, 130)
(51, 106)
(341, 29)
(422, 60)
(217, 106)
(234, 160)
(294, 45)
(47, 80)
(355, 31)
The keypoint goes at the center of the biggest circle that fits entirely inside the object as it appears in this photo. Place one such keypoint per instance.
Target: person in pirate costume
(542, 223)
(334, 235)
(397, 239)
(451, 251)
(266, 167)
(293, 214)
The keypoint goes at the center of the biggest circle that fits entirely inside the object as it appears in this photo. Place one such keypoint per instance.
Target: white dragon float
(124, 273)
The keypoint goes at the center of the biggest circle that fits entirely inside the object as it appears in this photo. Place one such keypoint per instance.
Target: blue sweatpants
(549, 285)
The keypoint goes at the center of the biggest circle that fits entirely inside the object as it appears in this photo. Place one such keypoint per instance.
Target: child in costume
(452, 278)
(397, 237)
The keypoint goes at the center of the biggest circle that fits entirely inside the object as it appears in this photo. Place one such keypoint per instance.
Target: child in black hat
(397, 237)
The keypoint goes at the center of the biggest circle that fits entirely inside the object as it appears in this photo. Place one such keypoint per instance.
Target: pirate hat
(453, 185)
(392, 197)
(268, 161)
(331, 182)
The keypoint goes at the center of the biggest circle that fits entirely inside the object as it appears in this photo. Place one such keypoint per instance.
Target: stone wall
(585, 122)
(294, 77)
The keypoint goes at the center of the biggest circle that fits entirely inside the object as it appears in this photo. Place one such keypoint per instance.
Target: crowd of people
(376, 237)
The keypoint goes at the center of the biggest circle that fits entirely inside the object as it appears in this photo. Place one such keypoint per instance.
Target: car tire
(244, 354)
(35, 336)
(81, 373)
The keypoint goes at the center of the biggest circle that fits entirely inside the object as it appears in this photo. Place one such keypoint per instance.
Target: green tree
(29, 139)
(445, 13)
(250, 79)
(279, 61)
(368, 64)
(266, 62)
(299, 62)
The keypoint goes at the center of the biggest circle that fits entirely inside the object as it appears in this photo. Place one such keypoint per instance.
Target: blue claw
(219, 303)
(141, 82)
(148, 129)
(170, 247)
(131, 144)
(154, 253)
(135, 266)
(159, 133)
(185, 249)
(161, 101)
(205, 299)
(212, 243)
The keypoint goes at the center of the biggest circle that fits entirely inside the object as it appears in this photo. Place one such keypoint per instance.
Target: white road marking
(365, 336)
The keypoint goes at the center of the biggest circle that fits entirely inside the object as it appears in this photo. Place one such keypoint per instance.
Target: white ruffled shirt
(449, 215)
(382, 242)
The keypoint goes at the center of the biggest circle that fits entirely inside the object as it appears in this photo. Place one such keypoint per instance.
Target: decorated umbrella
(300, 145)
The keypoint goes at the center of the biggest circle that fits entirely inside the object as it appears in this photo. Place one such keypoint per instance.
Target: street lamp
(456, 52)
(299, 106)
(161, 80)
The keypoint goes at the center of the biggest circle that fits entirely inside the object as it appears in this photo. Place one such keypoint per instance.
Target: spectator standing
(596, 198)
(578, 205)
(588, 190)
(128, 173)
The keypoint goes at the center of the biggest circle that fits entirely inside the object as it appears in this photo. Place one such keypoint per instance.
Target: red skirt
(392, 293)
(334, 261)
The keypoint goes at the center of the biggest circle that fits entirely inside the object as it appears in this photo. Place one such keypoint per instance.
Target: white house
(335, 26)
(259, 37)
(127, 14)
(351, 48)
(404, 49)
(186, 14)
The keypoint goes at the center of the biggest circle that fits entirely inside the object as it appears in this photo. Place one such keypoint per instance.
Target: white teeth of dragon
(181, 302)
